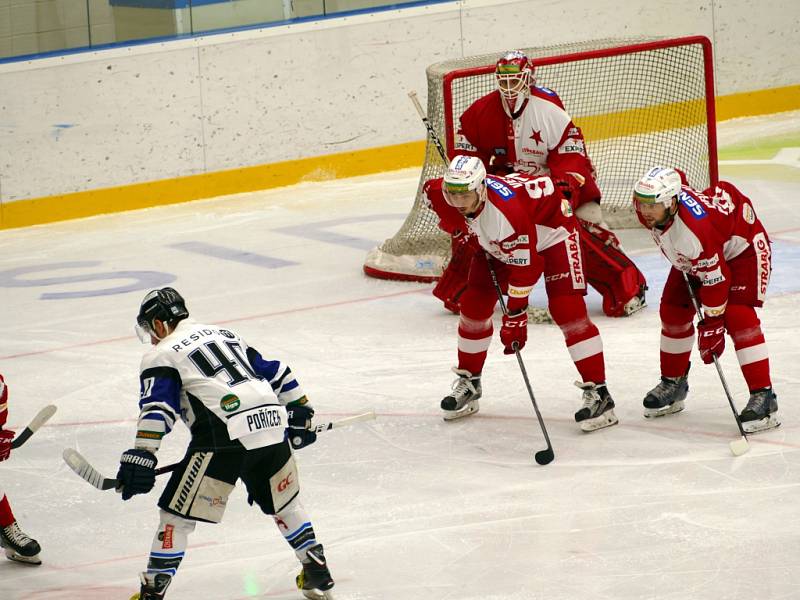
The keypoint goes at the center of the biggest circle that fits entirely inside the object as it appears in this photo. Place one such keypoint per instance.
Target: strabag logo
(575, 265)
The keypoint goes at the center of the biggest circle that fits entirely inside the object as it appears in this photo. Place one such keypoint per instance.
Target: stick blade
(85, 471)
(42, 417)
(740, 446)
(544, 457)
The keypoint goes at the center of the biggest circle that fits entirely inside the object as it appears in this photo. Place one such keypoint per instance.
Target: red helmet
(514, 73)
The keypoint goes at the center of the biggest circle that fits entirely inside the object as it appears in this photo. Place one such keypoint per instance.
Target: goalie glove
(300, 432)
(137, 472)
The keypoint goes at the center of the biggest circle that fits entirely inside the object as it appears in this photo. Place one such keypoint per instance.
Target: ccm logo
(285, 483)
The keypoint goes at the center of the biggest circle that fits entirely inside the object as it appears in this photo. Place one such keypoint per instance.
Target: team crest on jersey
(566, 207)
(505, 192)
(698, 212)
(748, 214)
(229, 403)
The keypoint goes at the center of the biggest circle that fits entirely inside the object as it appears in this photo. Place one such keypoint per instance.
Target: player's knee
(742, 324)
(675, 319)
(569, 313)
(470, 325)
(178, 524)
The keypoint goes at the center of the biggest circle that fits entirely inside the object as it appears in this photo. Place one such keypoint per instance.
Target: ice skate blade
(652, 413)
(28, 560)
(607, 419)
(468, 409)
(316, 594)
(765, 424)
(633, 305)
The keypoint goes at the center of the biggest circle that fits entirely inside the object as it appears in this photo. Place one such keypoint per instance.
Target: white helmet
(659, 184)
(465, 174)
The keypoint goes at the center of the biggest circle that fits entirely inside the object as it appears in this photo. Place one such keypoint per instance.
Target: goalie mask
(166, 305)
(464, 184)
(514, 74)
(654, 196)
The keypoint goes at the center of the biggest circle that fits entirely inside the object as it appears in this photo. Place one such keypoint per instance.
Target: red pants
(749, 278)
(565, 287)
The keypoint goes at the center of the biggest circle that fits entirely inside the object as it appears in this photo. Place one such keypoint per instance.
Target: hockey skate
(463, 400)
(634, 304)
(761, 412)
(18, 546)
(667, 397)
(154, 586)
(315, 579)
(597, 411)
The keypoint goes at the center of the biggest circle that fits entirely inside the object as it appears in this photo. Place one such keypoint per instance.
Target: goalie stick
(40, 419)
(542, 457)
(740, 446)
(84, 469)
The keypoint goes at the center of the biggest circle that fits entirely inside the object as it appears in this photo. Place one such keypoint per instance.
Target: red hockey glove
(514, 332)
(711, 338)
(5, 443)
(453, 281)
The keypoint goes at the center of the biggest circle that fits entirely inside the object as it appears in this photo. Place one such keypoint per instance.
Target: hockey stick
(740, 446)
(84, 469)
(40, 419)
(543, 457)
(431, 133)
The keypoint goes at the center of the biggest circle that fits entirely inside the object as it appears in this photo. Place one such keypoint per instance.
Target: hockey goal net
(639, 104)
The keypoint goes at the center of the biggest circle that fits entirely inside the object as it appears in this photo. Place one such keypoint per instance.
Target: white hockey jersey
(224, 391)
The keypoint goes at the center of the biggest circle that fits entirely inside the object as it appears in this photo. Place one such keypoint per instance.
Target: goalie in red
(521, 225)
(520, 127)
(17, 545)
(717, 240)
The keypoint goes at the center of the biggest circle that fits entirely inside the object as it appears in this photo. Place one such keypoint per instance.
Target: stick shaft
(699, 312)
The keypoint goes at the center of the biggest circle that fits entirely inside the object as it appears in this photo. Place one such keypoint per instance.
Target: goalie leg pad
(609, 271)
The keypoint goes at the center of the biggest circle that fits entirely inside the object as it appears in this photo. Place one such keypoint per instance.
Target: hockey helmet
(465, 174)
(660, 185)
(166, 305)
(514, 74)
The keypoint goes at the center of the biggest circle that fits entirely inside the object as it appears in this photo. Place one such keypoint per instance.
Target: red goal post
(638, 103)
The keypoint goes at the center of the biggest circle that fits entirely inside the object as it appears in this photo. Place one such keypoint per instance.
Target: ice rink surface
(408, 507)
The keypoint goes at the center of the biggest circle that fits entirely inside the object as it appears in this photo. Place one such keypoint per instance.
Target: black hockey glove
(300, 431)
(137, 472)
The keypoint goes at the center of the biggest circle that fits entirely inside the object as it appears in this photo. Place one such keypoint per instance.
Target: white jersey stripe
(474, 346)
(677, 345)
(586, 348)
(752, 354)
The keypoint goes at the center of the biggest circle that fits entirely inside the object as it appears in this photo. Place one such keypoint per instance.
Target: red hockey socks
(474, 338)
(581, 336)
(751, 349)
(6, 516)
(677, 339)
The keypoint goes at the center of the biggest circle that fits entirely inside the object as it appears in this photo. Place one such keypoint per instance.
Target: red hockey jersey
(541, 140)
(709, 230)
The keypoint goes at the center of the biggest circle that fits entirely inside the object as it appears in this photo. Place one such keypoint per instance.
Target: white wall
(158, 111)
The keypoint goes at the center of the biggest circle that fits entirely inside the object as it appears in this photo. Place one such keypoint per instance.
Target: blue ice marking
(234, 255)
(318, 231)
(142, 280)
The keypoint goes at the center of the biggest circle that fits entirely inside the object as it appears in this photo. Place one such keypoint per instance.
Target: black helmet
(166, 305)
